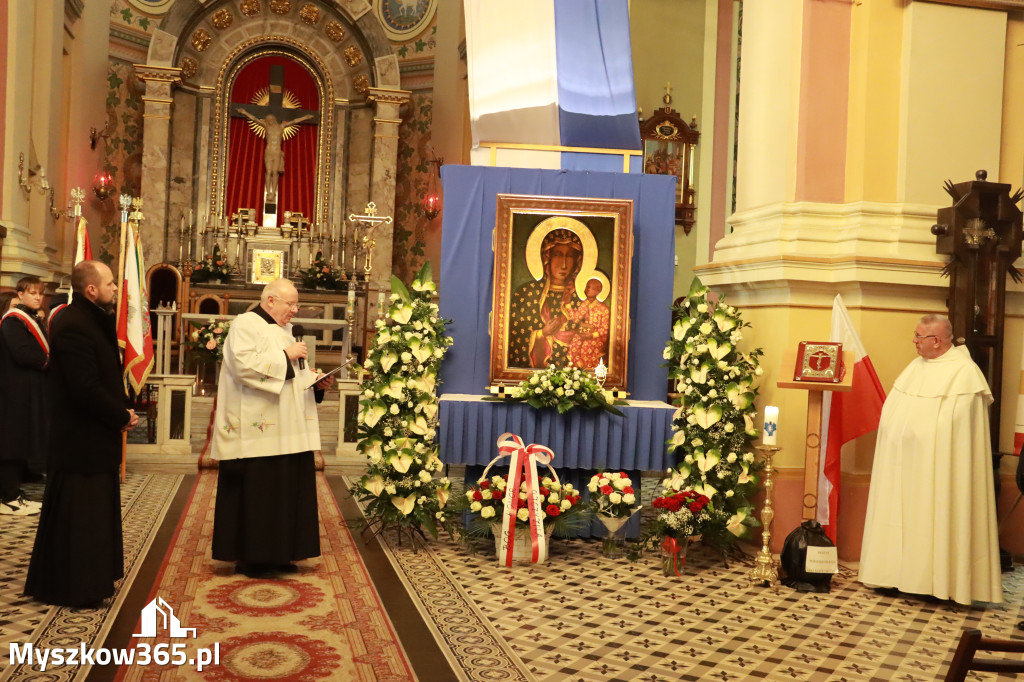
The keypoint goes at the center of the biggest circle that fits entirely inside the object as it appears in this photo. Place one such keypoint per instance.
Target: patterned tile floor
(144, 501)
(582, 616)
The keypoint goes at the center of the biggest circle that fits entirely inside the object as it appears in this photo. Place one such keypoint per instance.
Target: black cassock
(78, 552)
(23, 413)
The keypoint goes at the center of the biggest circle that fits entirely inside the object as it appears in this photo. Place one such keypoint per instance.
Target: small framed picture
(266, 265)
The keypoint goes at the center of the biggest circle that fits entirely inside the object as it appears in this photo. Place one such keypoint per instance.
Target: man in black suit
(78, 553)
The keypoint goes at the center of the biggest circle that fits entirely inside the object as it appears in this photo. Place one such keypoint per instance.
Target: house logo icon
(159, 610)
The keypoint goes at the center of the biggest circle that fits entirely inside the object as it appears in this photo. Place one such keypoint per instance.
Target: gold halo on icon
(584, 277)
(560, 222)
(288, 100)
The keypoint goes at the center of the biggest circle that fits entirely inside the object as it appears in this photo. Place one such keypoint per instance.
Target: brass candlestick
(764, 570)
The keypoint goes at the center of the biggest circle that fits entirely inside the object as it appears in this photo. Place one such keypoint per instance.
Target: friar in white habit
(265, 432)
(931, 517)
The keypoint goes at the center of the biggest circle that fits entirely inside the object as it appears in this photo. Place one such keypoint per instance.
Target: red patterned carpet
(325, 622)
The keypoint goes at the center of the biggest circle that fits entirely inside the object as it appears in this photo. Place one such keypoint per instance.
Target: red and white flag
(83, 250)
(845, 416)
(134, 334)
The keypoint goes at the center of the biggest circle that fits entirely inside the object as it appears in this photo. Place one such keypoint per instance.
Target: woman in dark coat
(24, 356)
(78, 553)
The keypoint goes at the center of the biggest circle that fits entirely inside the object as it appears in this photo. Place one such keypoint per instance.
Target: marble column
(156, 144)
(384, 162)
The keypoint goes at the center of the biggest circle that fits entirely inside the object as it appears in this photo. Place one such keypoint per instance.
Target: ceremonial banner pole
(125, 202)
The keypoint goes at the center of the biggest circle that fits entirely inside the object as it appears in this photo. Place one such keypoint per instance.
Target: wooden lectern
(812, 442)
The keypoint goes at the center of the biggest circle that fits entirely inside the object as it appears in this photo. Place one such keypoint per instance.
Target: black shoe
(255, 571)
(286, 568)
(886, 591)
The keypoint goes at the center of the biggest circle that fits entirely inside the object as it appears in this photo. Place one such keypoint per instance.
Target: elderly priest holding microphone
(265, 432)
(931, 518)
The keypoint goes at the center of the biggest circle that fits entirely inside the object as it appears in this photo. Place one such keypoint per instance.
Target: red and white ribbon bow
(523, 467)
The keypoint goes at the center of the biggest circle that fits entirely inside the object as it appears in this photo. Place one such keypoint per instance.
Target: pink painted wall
(721, 183)
(824, 101)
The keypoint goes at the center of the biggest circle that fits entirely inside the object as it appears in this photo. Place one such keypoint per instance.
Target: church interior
(759, 159)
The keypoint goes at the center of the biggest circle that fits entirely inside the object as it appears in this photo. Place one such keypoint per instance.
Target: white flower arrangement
(714, 424)
(612, 494)
(564, 388)
(398, 413)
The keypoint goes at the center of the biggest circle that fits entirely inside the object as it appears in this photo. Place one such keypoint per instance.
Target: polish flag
(83, 251)
(845, 416)
(134, 334)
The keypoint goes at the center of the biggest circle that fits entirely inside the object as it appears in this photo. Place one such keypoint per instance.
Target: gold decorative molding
(388, 96)
(250, 8)
(222, 18)
(309, 13)
(353, 56)
(335, 31)
(158, 74)
(361, 83)
(280, 6)
(200, 39)
(982, 4)
(189, 68)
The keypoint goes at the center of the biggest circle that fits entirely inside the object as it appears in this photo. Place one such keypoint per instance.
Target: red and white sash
(523, 467)
(33, 327)
(53, 314)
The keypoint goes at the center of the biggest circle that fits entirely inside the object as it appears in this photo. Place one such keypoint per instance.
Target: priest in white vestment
(931, 517)
(265, 432)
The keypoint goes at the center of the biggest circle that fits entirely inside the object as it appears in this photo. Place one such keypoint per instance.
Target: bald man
(265, 432)
(931, 520)
(78, 553)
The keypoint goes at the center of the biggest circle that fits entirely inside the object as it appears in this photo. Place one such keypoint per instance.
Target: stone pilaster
(385, 159)
(157, 103)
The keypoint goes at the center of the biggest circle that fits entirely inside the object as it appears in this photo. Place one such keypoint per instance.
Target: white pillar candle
(351, 294)
(771, 424)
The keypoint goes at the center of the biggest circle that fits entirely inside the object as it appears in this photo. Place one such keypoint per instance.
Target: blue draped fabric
(580, 439)
(596, 97)
(467, 265)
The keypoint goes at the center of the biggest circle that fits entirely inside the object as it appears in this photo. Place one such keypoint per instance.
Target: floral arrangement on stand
(613, 500)
(208, 340)
(564, 388)
(714, 424)
(398, 416)
(321, 274)
(213, 267)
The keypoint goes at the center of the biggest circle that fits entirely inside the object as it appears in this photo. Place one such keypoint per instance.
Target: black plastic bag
(794, 558)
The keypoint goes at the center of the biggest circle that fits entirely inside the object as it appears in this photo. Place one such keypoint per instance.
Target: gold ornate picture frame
(266, 265)
(561, 285)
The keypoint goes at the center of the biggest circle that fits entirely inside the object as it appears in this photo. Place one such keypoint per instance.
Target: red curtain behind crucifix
(297, 188)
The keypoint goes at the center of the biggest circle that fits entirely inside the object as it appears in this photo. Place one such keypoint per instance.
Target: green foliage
(398, 414)
(714, 425)
(321, 273)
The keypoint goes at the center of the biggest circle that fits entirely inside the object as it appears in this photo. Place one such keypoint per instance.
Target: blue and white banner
(551, 73)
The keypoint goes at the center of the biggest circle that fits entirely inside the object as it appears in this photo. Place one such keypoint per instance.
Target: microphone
(298, 332)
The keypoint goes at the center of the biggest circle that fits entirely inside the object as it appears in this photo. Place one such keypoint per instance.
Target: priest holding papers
(265, 432)
(931, 517)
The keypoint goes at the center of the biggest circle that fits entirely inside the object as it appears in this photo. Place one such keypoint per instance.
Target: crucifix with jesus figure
(276, 121)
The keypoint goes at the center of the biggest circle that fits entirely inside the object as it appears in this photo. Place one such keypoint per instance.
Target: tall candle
(380, 300)
(351, 295)
(771, 424)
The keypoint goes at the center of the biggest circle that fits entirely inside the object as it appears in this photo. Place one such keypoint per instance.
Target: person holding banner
(265, 432)
(78, 552)
(931, 519)
(24, 356)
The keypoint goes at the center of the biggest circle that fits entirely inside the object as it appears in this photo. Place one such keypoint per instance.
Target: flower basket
(560, 504)
(522, 552)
